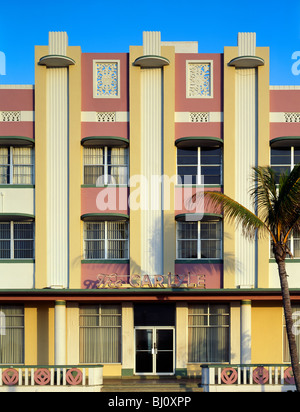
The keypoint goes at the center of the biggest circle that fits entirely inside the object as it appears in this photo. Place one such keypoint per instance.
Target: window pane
(12, 341)
(100, 334)
(23, 240)
(187, 230)
(92, 174)
(187, 249)
(187, 156)
(281, 156)
(296, 155)
(211, 175)
(23, 163)
(4, 165)
(4, 240)
(187, 174)
(210, 156)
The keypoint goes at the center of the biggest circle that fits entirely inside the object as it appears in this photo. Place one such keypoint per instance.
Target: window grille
(16, 165)
(16, 240)
(106, 240)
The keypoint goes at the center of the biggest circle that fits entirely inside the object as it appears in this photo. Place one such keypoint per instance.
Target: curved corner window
(16, 165)
(105, 165)
(199, 165)
(106, 240)
(16, 240)
(199, 240)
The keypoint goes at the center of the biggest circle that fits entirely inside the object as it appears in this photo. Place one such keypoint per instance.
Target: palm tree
(277, 214)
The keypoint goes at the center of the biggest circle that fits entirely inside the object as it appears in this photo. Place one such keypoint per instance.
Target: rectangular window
(11, 334)
(283, 159)
(105, 165)
(106, 240)
(100, 333)
(16, 240)
(199, 165)
(208, 333)
(16, 165)
(199, 240)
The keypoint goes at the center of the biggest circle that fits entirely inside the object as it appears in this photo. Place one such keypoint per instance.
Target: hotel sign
(115, 281)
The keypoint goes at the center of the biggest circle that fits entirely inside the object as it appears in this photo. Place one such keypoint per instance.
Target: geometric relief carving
(9, 116)
(199, 79)
(199, 117)
(106, 79)
(106, 116)
(292, 117)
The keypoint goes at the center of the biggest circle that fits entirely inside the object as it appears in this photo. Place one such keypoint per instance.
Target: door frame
(154, 328)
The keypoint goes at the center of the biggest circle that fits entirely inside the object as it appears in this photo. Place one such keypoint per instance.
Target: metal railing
(51, 378)
(247, 377)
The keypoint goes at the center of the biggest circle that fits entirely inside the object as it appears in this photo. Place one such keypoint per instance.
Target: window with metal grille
(100, 333)
(16, 240)
(105, 165)
(199, 240)
(199, 165)
(106, 240)
(16, 165)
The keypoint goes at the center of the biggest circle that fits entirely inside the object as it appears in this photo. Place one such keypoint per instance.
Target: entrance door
(154, 350)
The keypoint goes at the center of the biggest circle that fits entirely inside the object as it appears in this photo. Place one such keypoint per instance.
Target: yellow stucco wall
(267, 332)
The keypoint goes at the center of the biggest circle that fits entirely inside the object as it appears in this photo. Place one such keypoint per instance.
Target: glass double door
(154, 350)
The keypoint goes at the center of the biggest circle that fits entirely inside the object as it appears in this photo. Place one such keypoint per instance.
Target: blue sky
(112, 26)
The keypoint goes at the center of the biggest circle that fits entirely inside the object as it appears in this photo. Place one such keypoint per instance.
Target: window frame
(208, 325)
(106, 165)
(11, 166)
(99, 326)
(199, 241)
(13, 240)
(106, 241)
(199, 166)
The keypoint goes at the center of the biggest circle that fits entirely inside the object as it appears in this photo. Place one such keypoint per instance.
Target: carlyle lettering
(157, 281)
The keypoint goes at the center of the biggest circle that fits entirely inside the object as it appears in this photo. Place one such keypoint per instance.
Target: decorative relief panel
(292, 117)
(199, 79)
(106, 116)
(106, 79)
(9, 116)
(199, 117)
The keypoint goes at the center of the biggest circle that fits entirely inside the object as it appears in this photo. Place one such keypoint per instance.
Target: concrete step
(151, 385)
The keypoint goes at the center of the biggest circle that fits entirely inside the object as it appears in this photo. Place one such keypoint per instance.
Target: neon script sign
(157, 281)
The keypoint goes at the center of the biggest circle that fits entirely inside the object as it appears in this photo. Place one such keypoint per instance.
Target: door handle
(154, 349)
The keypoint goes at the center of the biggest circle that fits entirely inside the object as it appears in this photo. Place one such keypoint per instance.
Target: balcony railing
(51, 378)
(249, 377)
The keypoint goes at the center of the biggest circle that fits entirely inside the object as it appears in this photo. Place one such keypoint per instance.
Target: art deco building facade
(104, 258)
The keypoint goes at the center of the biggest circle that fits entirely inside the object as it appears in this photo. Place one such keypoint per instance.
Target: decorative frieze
(10, 116)
(199, 79)
(199, 117)
(292, 117)
(106, 79)
(106, 116)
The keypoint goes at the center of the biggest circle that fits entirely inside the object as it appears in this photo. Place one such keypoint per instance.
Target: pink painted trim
(104, 105)
(182, 104)
(213, 273)
(198, 129)
(25, 129)
(119, 129)
(284, 100)
(16, 99)
(113, 200)
(284, 129)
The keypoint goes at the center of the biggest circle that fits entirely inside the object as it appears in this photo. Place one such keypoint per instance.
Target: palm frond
(236, 213)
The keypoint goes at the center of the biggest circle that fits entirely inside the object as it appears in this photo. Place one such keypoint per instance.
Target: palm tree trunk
(289, 322)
